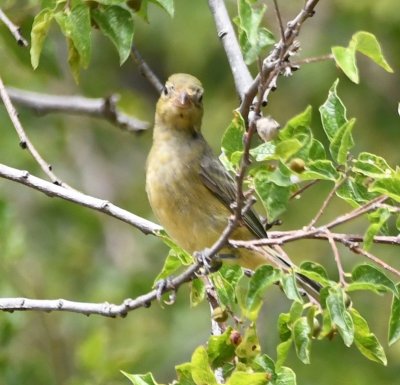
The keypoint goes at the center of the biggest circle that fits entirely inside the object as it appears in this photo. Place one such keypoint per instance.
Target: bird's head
(180, 105)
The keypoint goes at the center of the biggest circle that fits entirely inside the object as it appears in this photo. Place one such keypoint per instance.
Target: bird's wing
(218, 180)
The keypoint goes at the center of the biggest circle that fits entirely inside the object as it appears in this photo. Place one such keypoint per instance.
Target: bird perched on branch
(190, 191)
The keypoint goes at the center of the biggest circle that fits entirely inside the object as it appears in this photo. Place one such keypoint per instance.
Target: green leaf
(287, 148)
(245, 378)
(274, 198)
(252, 38)
(368, 277)
(263, 363)
(40, 29)
(320, 169)
(74, 60)
(333, 113)
(372, 166)
(317, 151)
(225, 281)
(197, 292)
(284, 330)
(298, 125)
(342, 142)
(250, 19)
(249, 348)
(185, 258)
(365, 341)
(302, 339)
(355, 192)
(263, 277)
(388, 186)
(367, 44)
(296, 310)
(184, 374)
(289, 286)
(232, 141)
(167, 5)
(314, 271)
(378, 219)
(394, 322)
(220, 348)
(339, 315)
(285, 376)
(265, 151)
(117, 24)
(171, 264)
(201, 370)
(345, 58)
(140, 379)
(282, 352)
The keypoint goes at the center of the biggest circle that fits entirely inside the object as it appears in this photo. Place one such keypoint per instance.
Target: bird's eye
(165, 91)
(199, 96)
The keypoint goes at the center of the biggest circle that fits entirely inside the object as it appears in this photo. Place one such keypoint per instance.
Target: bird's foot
(209, 264)
(164, 285)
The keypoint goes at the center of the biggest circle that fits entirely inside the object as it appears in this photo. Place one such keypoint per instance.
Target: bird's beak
(183, 100)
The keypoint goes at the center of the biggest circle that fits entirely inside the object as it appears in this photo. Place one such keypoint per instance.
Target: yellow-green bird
(189, 189)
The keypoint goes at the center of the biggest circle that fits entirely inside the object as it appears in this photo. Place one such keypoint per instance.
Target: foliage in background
(93, 254)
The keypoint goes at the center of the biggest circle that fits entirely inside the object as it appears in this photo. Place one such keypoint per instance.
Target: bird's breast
(187, 210)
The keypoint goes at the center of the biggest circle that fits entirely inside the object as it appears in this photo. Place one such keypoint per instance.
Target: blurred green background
(54, 249)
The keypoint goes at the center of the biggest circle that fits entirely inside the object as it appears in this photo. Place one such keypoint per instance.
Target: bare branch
(97, 204)
(314, 59)
(25, 143)
(15, 30)
(336, 255)
(104, 309)
(279, 17)
(326, 202)
(145, 70)
(275, 61)
(358, 250)
(240, 72)
(103, 108)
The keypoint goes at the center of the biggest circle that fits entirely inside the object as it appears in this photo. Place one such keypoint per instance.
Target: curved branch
(54, 190)
(103, 108)
(24, 141)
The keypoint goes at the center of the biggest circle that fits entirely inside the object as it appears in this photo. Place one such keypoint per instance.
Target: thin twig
(326, 202)
(240, 72)
(304, 188)
(15, 30)
(279, 17)
(370, 206)
(103, 108)
(97, 204)
(145, 70)
(276, 59)
(336, 255)
(358, 250)
(314, 59)
(24, 141)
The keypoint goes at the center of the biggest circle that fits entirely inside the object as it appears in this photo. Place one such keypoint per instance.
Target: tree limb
(240, 72)
(15, 30)
(145, 70)
(103, 108)
(54, 190)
